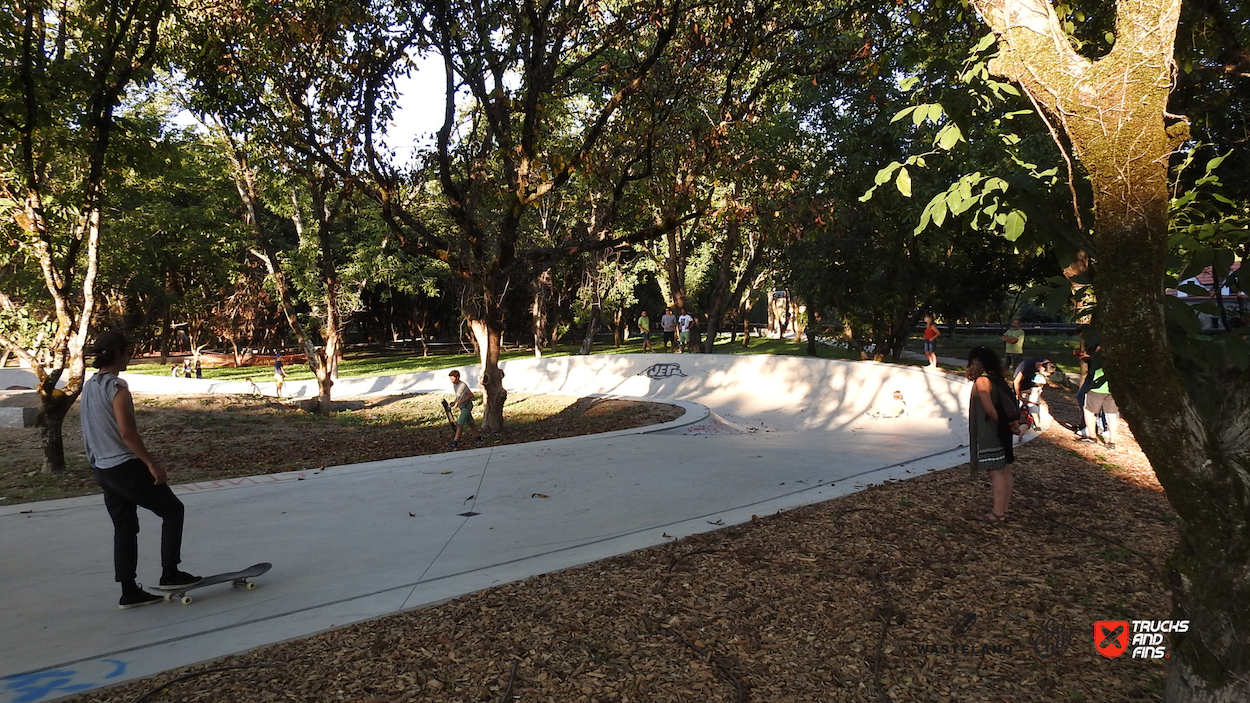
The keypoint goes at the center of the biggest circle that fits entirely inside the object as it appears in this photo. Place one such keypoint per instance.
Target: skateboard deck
(447, 412)
(239, 579)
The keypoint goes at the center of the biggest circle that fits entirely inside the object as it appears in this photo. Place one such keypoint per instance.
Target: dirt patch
(211, 437)
(888, 594)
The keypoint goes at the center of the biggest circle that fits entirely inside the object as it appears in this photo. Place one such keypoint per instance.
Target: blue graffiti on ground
(42, 685)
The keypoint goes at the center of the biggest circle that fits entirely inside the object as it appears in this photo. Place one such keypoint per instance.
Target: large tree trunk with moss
(1194, 426)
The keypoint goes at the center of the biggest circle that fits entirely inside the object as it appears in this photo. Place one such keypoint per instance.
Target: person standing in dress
(129, 475)
(993, 420)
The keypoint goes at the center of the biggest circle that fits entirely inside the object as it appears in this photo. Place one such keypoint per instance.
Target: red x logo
(1111, 637)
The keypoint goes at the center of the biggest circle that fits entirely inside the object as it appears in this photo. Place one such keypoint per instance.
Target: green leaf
(907, 84)
(986, 42)
(903, 183)
(1237, 351)
(902, 113)
(883, 176)
(939, 212)
(948, 137)
(1110, 37)
(1013, 227)
(1179, 313)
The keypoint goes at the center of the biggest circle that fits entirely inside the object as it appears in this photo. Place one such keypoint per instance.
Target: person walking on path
(1014, 340)
(1098, 399)
(931, 333)
(130, 476)
(668, 323)
(993, 419)
(644, 326)
(463, 401)
(684, 325)
(279, 373)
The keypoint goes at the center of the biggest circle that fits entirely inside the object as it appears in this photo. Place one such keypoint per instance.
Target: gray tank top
(105, 448)
(987, 429)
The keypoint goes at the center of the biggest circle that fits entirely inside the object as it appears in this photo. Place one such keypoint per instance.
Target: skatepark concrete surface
(350, 543)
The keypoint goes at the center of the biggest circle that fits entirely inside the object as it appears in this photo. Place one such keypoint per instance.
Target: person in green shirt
(644, 326)
(1014, 338)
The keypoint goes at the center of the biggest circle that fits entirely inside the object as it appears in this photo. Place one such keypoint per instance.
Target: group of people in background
(1006, 399)
(676, 330)
(186, 369)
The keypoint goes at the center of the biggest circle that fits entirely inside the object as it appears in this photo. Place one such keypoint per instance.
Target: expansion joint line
(472, 500)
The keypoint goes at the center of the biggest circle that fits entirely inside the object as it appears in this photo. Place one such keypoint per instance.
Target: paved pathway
(350, 543)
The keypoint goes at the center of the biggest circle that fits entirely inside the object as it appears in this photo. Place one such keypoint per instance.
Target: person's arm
(124, 412)
(1015, 383)
(936, 333)
(982, 389)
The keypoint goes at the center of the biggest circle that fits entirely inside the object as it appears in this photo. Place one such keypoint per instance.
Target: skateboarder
(130, 476)
(464, 401)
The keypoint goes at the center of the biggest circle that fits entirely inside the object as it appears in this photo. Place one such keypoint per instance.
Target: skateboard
(239, 579)
(447, 412)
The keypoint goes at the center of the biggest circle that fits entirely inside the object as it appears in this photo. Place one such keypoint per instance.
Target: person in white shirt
(464, 401)
(684, 325)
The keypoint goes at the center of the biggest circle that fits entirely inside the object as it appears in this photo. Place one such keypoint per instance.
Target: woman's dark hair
(107, 348)
(984, 360)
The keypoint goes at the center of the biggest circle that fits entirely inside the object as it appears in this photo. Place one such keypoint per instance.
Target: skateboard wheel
(251, 586)
(186, 600)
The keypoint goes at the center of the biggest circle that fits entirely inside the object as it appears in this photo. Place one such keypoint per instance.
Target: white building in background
(1236, 304)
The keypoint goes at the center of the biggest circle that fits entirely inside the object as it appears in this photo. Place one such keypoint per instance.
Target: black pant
(127, 487)
(1080, 399)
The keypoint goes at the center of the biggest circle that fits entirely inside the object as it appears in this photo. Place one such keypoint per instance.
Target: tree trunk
(675, 268)
(592, 329)
(51, 421)
(1113, 112)
(540, 288)
(488, 338)
(166, 330)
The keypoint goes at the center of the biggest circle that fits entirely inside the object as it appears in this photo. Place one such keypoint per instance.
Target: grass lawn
(357, 364)
(1056, 347)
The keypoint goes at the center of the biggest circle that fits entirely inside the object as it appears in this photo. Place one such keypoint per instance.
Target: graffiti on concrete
(656, 371)
(56, 683)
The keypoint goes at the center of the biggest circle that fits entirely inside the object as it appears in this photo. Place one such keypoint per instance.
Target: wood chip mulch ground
(891, 594)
